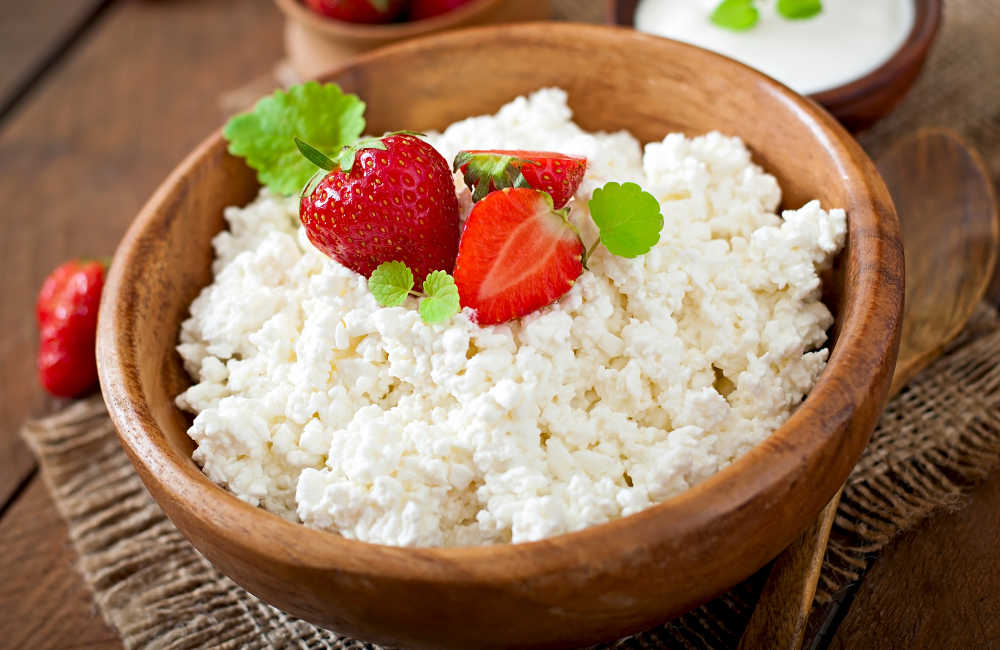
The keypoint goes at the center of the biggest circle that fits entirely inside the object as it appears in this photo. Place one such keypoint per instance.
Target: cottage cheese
(647, 377)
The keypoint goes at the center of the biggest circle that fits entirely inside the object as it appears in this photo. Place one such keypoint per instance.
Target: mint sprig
(735, 15)
(799, 9)
(741, 15)
(441, 298)
(628, 217)
(321, 114)
(391, 282)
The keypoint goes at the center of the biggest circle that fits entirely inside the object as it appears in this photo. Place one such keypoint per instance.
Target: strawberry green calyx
(381, 5)
(485, 172)
(345, 159)
(314, 155)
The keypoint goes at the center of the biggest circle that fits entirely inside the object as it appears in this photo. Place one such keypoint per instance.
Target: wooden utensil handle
(784, 605)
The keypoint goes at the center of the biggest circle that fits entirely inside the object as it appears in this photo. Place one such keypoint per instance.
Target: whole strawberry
(358, 11)
(66, 310)
(487, 170)
(384, 199)
(421, 9)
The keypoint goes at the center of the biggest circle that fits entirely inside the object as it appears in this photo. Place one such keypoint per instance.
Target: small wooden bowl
(866, 100)
(599, 583)
(316, 43)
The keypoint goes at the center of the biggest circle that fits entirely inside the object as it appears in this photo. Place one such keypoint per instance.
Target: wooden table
(99, 99)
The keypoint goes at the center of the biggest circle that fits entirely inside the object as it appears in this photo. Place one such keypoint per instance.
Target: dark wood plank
(45, 604)
(83, 153)
(92, 142)
(31, 33)
(938, 586)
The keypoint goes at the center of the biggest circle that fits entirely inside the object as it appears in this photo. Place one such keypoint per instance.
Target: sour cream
(844, 42)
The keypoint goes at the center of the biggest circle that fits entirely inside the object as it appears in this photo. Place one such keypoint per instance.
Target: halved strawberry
(555, 173)
(517, 254)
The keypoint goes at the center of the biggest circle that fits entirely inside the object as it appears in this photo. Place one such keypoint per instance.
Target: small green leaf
(314, 155)
(737, 15)
(798, 9)
(629, 218)
(380, 5)
(322, 115)
(390, 283)
(441, 301)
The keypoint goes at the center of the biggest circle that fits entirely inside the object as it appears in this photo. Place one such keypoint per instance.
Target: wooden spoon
(948, 213)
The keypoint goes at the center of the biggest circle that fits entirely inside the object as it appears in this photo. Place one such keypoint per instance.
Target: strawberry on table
(358, 11)
(382, 200)
(66, 310)
(517, 254)
(488, 170)
(420, 9)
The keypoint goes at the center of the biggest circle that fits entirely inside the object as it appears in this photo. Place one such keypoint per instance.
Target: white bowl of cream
(845, 41)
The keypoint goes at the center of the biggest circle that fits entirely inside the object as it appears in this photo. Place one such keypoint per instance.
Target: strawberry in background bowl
(358, 11)
(320, 34)
(383, 11)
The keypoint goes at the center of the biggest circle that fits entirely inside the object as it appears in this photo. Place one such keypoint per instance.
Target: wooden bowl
(599, 583)
(317, 43)
(866, 100)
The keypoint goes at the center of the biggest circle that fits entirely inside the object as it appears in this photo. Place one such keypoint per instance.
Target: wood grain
(54, 609)
(861, 103)
(944, 195)
(599, 583)
(89, 147)
(33, 33)
(30, 35)
(936, 586)
(80, 156)
(950, 228)
(782, 612)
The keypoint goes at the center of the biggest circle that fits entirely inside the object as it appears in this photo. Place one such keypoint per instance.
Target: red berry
(396, 204)
(558, 174)
(517, 255)
(358, 11)
(66, 309)
(420, 9)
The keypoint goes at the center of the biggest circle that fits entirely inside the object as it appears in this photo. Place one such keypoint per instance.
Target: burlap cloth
(935, 440)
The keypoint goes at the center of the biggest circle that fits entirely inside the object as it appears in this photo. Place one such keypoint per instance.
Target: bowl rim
(730, 490)
(913, 50)
(926, 21)
(295, 10)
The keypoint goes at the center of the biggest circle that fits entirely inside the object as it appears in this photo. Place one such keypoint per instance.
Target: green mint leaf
(390, 283)
(737, 15)
(441, 301)
(317, 113)
(314, 155)
(629, 218)
(799, 9)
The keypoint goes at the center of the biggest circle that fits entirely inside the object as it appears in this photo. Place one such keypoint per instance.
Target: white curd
(647, 377)
(844, 42)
